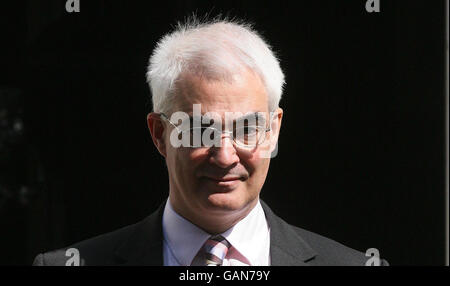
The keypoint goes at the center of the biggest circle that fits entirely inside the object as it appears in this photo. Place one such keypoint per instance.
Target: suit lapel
(145, 245)
(287, 248)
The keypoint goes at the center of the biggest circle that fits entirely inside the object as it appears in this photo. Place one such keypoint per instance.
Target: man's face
(223, 179)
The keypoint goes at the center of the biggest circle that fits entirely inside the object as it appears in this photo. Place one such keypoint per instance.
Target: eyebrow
(257, 115)
(260, 118)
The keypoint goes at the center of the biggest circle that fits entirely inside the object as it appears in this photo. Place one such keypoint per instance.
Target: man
(216, 88)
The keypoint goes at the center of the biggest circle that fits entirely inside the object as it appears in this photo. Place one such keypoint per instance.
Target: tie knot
(215, 250)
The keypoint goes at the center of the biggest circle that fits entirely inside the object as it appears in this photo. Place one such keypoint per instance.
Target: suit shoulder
(330, 252)
(98, 250)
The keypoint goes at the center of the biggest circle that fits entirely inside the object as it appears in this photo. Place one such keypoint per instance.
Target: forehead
(244, 93)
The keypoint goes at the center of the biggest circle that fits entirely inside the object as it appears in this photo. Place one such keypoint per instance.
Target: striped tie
(214, 251)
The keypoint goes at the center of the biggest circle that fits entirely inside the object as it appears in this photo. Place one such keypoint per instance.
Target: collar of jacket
(287, 248)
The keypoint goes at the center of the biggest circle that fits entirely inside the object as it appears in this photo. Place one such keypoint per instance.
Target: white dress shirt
(249, 239)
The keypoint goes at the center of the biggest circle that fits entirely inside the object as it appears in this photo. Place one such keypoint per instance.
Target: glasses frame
(222, 132)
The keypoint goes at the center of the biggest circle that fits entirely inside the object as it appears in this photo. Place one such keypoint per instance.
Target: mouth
(224, 182)
(225, 179)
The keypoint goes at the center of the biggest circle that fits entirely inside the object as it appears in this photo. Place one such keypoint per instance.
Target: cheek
(195, 156)
(185, 161)
(257, 167)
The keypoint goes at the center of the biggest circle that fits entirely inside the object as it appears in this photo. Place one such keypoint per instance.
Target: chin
(224, 198)
(224, 202)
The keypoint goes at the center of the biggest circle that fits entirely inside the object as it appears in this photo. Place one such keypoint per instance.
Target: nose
(225, 155)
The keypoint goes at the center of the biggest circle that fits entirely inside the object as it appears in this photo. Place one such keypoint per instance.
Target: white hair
(216, 49)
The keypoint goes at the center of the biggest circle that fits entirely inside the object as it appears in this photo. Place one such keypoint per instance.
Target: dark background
(361, 151)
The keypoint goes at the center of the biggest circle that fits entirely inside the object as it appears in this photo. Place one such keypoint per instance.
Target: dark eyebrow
(209, 120)
(259, 116)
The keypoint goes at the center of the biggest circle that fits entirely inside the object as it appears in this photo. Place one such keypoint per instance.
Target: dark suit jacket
(142, 244)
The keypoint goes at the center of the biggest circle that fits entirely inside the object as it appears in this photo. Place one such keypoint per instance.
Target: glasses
(243, 136)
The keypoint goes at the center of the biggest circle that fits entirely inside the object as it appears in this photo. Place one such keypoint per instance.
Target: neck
(214, 222)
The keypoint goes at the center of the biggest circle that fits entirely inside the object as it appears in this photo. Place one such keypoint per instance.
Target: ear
(156, 127)
(276, 127)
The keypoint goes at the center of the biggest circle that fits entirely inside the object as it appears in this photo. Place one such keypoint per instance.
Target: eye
(245, 132)
(201, 130)
(250, 130)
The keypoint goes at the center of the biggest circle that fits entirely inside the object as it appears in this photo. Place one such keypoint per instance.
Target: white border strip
(447, 141)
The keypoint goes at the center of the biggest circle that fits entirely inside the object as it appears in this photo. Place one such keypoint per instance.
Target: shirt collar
(250, 235)
(185, 239)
